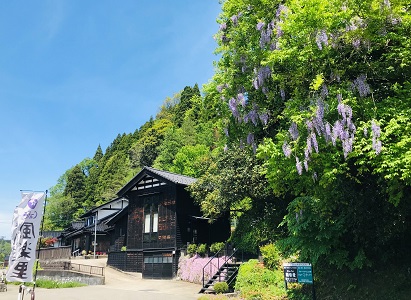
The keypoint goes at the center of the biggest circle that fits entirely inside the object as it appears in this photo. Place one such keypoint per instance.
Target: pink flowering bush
(191, 268)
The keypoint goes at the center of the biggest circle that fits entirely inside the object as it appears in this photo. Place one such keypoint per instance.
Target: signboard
(298, 272)
(25, 233)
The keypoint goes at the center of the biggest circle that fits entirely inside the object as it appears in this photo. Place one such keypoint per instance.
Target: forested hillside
(303, 134)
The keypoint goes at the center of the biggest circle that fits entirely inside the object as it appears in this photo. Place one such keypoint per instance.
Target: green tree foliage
(113, 177)
(5, 248)
(75, 185)
(234, 183)
(188, 99)
(66, 199)
(98, 155)
(145, 150)
(188, 160)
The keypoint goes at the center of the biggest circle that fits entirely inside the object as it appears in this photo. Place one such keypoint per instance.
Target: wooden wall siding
(185, 209)
(163, 197)
(128, 261)
(166, 223)
(134, 261)
(119, 234)
(135, 225)
(117, 260)
(165, 237)
(118, 244)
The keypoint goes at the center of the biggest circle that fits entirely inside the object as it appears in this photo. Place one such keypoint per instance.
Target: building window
(147, 223)
(151, 219)
(155, 222)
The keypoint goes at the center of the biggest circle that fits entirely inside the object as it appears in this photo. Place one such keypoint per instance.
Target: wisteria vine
(343, 130)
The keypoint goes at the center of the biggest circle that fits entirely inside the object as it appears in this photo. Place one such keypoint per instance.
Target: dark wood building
(97, 227)
(162, 220)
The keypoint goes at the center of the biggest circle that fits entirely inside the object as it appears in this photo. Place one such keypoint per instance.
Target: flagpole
(39, 242)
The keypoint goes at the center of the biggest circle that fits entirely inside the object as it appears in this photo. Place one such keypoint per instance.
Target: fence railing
(85, 269)
(221, 258)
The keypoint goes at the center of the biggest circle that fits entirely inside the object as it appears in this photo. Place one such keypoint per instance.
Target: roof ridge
(172, 173)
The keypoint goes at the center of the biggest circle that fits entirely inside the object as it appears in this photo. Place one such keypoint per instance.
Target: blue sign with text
(298, 272)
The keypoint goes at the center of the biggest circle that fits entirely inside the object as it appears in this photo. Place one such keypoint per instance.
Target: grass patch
(51, 284)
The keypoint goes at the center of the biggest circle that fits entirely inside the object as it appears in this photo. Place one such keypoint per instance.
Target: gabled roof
(173, 177)
(160, 175)
(93, 210)
(112, 221)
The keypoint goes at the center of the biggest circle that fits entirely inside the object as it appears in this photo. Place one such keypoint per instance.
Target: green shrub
(271, 256)
(221, 287)
(254, 281)
(192, 249)
(217, 247)
(202, 249)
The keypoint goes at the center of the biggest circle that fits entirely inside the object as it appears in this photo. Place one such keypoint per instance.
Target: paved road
(119, 286)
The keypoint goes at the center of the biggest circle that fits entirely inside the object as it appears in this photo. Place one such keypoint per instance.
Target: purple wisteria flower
(293, 130)
(265, 37)
(254, 145)
(252, 116)
(260, 25)
(328, 135)
(264, 117)
(234, 19)
(261, 75)
(306, 165)
(241, 99)
(309, 146)
(281, 9)
(318, 120)
(361, 86)
(395, 21)
(232, 103)
(307, 154)
(226, 131)
(356, 43)
(287, 149)
(314, 142)
(324, 91)
(387, 3)
(321, 39)
(241, 144)
(223, 26)
(299, 166)
(225, 148)
(279, 31)
(376, 133)
(282, 94)
(365, 132)
(250, 138)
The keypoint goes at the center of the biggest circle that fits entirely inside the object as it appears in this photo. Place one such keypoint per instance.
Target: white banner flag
(25, 233)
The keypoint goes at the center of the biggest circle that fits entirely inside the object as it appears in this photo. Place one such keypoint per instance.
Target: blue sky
(74, 74)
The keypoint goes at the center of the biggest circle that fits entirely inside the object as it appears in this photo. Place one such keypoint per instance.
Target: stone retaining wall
(67, 276)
